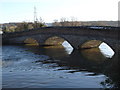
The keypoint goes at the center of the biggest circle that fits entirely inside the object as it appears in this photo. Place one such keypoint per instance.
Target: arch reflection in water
(59, 51)
(56, 52)
(93, 54)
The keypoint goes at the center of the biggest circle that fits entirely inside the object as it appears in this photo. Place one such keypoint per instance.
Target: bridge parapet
(79, 30)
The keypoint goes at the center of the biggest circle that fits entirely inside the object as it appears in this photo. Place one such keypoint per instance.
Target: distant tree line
(74, 22)
(65, 22)
(14, 27)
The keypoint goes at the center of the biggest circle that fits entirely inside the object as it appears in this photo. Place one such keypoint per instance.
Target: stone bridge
(76, 36)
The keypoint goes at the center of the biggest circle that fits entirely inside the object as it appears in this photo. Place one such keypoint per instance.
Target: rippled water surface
(54, 67)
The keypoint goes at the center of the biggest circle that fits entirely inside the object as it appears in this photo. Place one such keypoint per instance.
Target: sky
(50, 10)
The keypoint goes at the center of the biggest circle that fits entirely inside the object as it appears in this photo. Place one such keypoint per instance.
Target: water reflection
(93, 54)
(90, 62)
(94, 62)
(55, 52)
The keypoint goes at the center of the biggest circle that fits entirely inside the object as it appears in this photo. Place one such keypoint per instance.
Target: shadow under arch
(31, 41)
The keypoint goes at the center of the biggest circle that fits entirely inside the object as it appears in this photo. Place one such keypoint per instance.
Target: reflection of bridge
(74, 35)
(79, 61)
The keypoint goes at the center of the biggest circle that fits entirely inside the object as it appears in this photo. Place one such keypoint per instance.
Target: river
(55, 67)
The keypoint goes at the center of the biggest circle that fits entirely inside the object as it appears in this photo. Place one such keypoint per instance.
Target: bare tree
(64, 21)
(74, 21)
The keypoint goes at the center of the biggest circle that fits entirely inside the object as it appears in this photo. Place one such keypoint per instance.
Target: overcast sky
(49, 10)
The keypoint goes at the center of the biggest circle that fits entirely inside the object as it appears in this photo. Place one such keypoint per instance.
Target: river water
(55, 67)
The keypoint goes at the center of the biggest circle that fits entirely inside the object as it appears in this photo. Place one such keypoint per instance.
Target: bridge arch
(93, 43)
(57, 40)
(98, 45)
